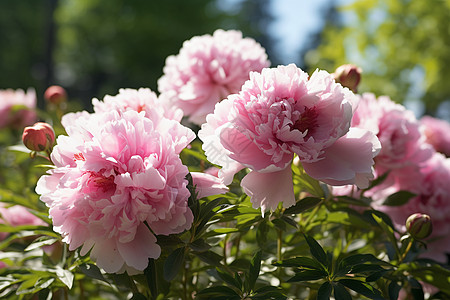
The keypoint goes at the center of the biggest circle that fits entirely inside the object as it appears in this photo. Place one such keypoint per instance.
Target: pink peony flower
(399, 132)
(278, 113)
(432, 189)
(15, 216)
(437, 133)
(17, 108)
(208, 69)
(138, 100)
(118, 182)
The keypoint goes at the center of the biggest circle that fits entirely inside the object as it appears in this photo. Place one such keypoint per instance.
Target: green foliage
(402, 47)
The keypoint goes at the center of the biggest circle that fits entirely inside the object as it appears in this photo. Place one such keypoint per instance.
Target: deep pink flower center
(98, 181)
(307, 121)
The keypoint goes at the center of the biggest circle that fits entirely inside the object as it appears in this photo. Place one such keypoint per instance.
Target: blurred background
(93, 47)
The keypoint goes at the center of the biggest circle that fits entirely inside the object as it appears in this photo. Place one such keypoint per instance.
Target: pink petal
(208, 185)
(268, 189)
(348, 161)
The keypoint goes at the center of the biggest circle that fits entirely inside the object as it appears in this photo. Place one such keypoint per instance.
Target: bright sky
(295, 21)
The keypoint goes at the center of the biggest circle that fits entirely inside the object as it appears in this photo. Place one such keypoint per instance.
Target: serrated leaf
(255, 267)
(340, 293)
(173, 263)
(362, 288)
(303, 205)
(399, 198)
(324, 291)
(307, 275)
(316, 250)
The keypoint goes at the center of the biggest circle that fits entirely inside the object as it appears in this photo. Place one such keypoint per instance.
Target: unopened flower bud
(55, 94)
(419, 226)
(39, 137)
(349, 76)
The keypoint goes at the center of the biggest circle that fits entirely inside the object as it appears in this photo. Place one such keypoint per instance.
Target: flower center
(98, 181)
(307, 121)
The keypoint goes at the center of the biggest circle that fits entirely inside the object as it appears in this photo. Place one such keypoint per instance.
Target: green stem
(410, 243)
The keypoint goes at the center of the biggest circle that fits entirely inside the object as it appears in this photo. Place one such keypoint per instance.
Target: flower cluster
(302, 159)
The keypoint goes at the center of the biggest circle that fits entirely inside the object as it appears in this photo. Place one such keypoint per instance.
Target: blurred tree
(403, 47)
(105, 45)
(23, 42)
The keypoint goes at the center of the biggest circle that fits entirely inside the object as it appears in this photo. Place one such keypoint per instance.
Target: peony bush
(236, 181)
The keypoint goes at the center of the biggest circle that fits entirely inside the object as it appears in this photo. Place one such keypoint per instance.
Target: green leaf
(300, 262)
(340, 293)
(303, 205)
(209, 257)
(307, 275)
(173, 263)
(378, 180)
(416, 289)
(138, 296)
(65, 276)
(394, 289)
(431, 273)
(92, 271)
(228, 278)
(362, 288)
(261, 232)
(316, 250)
(255, 267)
(216, 291)
(324, 291)
(151, 277)
(398, 198)
(365, 202)
(199, 245)
(41, 241)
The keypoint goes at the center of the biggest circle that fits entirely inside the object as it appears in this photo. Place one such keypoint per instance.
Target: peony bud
(348, 75)
(419, 226)
(55, 94)
(39, 137)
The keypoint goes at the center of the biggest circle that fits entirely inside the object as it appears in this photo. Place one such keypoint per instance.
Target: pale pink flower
(17, 215)
(139, 100)
(402, 139)
(281, 112)
(437, 133)
(432, 189)
(207, 184)
(208, 69)
(117, 173)
(17, 108)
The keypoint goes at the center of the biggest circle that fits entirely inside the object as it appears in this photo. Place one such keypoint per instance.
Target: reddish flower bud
(39, 137)
(419, 226)
(55, 94)
(348, 75)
